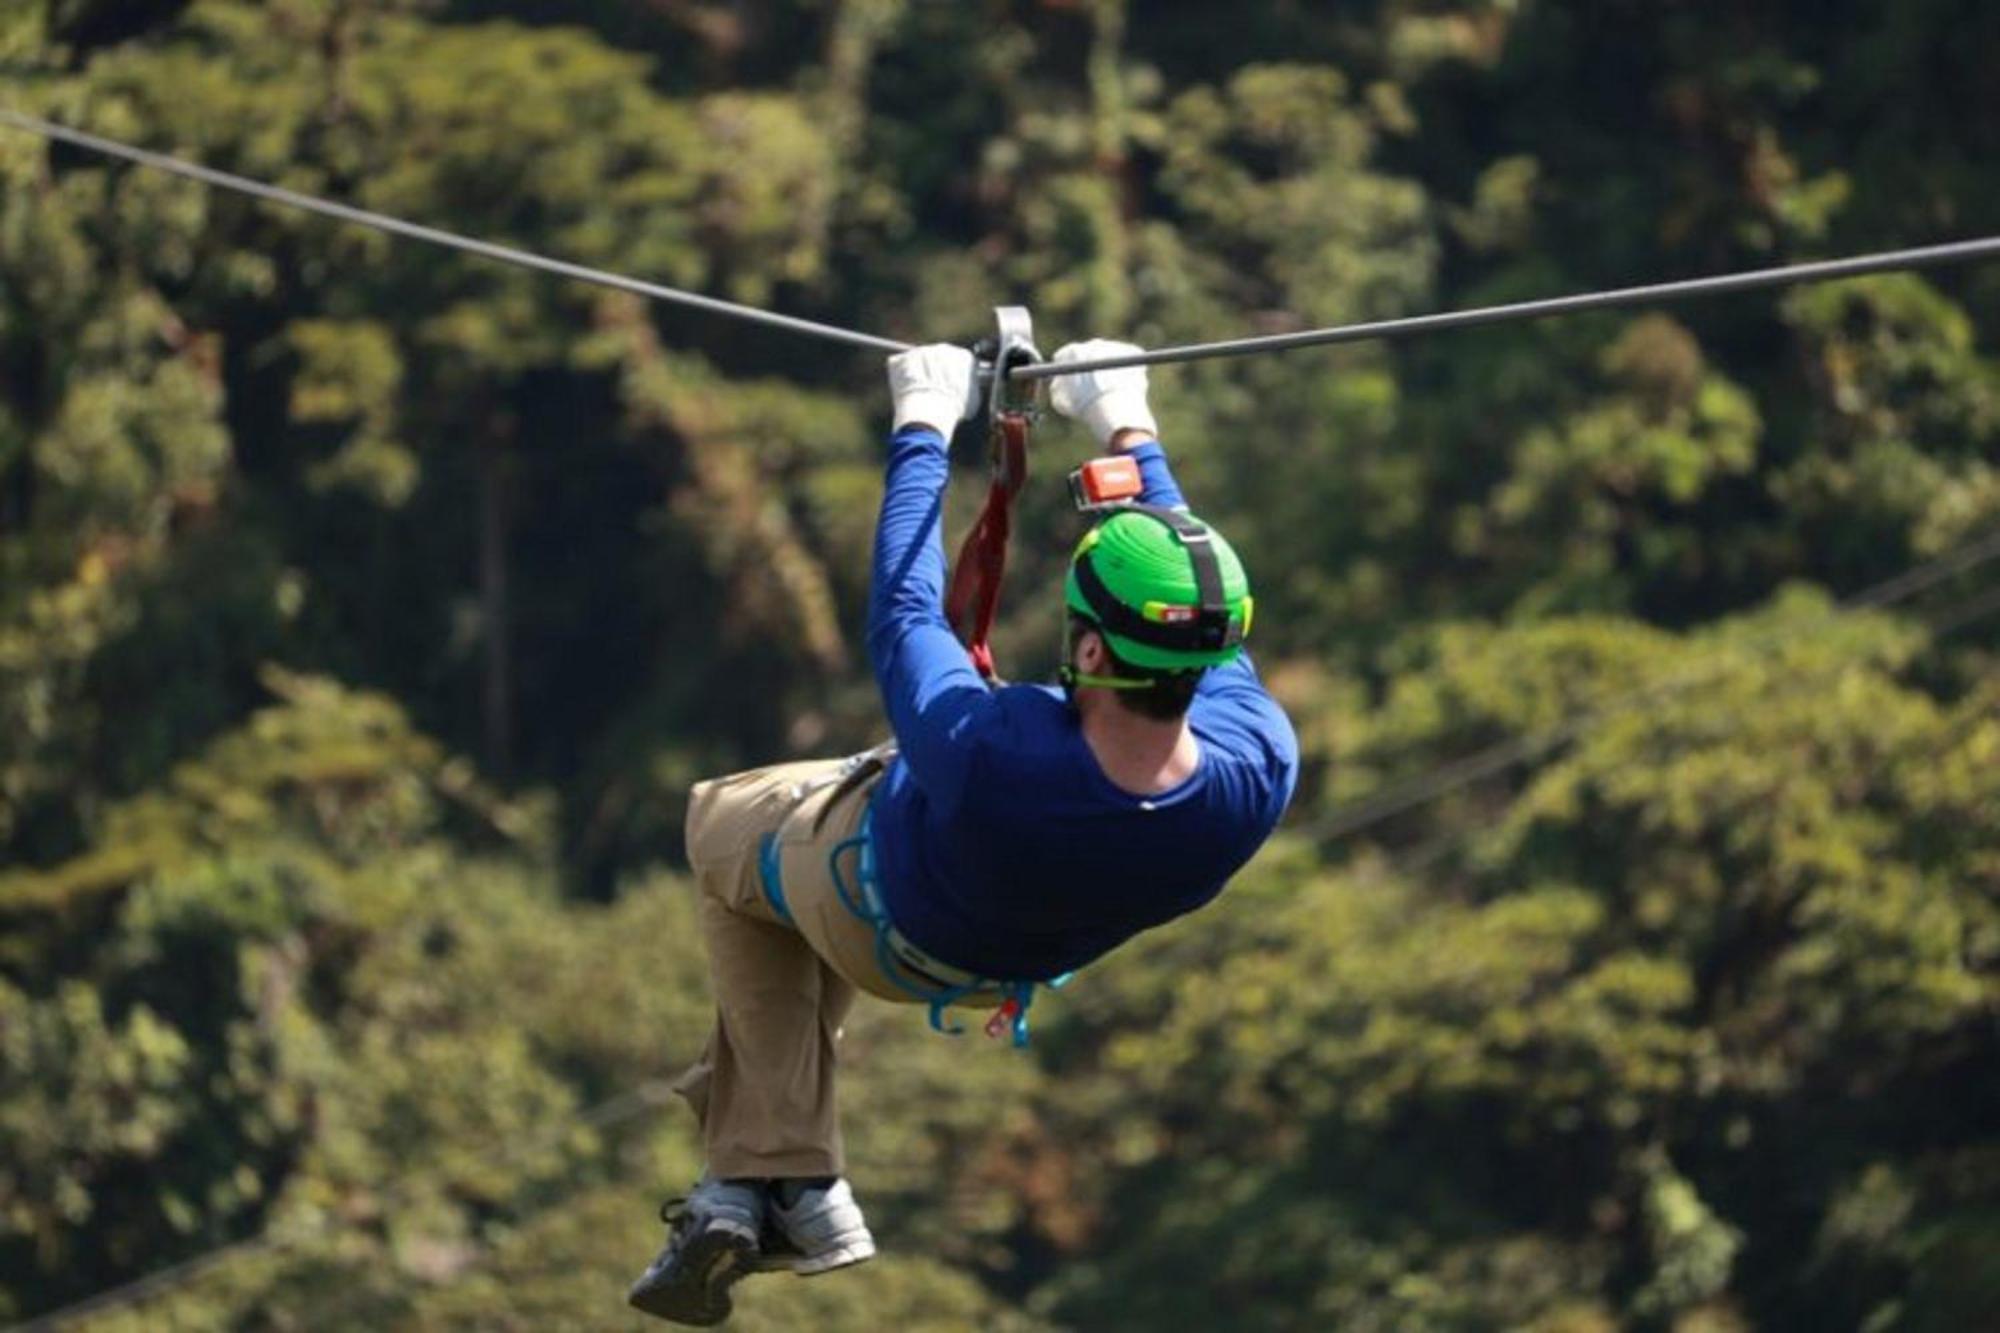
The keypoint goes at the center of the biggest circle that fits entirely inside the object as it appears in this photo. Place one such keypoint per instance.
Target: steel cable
(1959, 252)
(627, 1105)
(1889, 261)
(1420, 858)
(1503, 755)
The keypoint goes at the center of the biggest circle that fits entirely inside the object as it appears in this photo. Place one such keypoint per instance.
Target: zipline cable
(1888, 261)
(504, 254)
(1499, 757)
(1959, 252)
(627, 1105)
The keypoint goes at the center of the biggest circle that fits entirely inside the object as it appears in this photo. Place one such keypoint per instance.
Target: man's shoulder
(1247, 723)
(1036, 699)
(1028, 717)
(1028, 729)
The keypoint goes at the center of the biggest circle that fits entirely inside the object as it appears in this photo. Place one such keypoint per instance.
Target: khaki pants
(764, 1088)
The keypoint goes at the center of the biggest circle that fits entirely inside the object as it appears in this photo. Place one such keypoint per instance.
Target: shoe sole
(844, 1255)
(697, 1292)
(777, 1255)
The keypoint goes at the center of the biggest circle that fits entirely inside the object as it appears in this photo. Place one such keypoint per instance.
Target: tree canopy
(366, 611)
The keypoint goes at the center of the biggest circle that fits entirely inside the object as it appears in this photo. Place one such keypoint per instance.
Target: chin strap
(1071, 678)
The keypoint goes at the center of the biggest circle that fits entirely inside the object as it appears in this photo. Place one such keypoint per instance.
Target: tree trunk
(497, 692)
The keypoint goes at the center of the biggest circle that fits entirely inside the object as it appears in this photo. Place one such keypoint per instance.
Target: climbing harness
(849, 775)
(924, 978)
(853, 771)
(936, 984)
(1012, 404)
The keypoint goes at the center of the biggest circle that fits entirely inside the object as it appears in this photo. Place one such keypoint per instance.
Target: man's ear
(1090, 652)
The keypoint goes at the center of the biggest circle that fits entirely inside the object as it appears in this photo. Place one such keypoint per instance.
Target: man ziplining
(1007, 837)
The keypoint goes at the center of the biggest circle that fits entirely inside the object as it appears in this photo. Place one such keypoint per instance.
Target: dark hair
(1168, 694)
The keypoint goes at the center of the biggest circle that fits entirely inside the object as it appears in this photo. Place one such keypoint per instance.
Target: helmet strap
(1071, 678)
(1211, 629)
(1214, 628)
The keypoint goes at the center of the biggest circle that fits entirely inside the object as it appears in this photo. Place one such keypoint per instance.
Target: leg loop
(773, 881)
(862, 898)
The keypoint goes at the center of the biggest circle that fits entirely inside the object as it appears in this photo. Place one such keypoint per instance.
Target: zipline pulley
(1012, 406)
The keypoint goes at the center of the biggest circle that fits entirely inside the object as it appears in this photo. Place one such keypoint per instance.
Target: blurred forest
(365, 611)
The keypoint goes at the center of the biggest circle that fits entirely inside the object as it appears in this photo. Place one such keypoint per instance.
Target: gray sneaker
(712, 1244)
(822, 1231)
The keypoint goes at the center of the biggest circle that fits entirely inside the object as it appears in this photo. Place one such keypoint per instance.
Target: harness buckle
(1003, 1018)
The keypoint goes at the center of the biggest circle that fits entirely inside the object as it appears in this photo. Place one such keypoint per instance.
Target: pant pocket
(727, 816)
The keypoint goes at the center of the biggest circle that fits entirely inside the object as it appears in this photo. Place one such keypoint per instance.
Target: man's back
(1039, 863)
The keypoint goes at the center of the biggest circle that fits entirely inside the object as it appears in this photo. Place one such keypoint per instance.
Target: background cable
(1348, 820)
(1420, 858)
(629, 1104)
(504, 254)
(1400, 797)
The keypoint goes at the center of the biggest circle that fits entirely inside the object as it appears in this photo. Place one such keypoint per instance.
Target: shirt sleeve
(1156, 479)
(1236, 684)
(935, 699)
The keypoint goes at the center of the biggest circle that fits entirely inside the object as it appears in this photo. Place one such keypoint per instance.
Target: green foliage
(1667, 432)
(1908, 410)
(366, 611)
(89, 1091)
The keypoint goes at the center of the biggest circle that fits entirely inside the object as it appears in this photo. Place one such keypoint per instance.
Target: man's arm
(1112, 405)
(933, 696)
(1156, 480)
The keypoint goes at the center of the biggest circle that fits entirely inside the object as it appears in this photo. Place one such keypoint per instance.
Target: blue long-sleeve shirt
(1001, 846)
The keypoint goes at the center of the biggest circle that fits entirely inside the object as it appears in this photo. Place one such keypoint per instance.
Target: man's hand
(933, 386)
(1110, 403)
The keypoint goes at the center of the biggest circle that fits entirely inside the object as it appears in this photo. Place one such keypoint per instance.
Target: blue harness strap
(768, 876)
(892, 949)
(900, 960)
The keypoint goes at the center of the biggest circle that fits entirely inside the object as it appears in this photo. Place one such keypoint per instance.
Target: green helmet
(1165, 590)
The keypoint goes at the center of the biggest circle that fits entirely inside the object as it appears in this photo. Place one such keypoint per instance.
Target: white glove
(933, 386)
(1105, 401)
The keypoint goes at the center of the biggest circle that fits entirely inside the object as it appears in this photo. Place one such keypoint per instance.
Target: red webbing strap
(973, 596)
